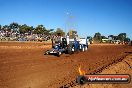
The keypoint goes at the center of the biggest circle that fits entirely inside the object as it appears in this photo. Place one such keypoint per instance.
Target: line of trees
(22, 29)
(122, 37)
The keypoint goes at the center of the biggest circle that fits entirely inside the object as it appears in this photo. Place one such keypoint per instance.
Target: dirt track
(23, 65)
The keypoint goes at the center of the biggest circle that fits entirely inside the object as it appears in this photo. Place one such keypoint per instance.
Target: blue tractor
(67, 46)
(58, 48)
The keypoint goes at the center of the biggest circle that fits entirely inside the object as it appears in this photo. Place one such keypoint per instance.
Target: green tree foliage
(97, 37)
(122, 36)
(40, 29)
(14, 27)
(51, 30)
(25, 29)
(6, 28)
(31, 29)
(59, 32)
(0, 27)
(47, 32)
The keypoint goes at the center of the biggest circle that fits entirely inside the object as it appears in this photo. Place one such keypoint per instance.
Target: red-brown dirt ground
(24, 65)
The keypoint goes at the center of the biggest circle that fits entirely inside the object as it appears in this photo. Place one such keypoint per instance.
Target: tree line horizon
(14, 27)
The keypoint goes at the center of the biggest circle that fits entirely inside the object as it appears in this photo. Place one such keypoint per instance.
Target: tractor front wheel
(47, 52)
(58, 54)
